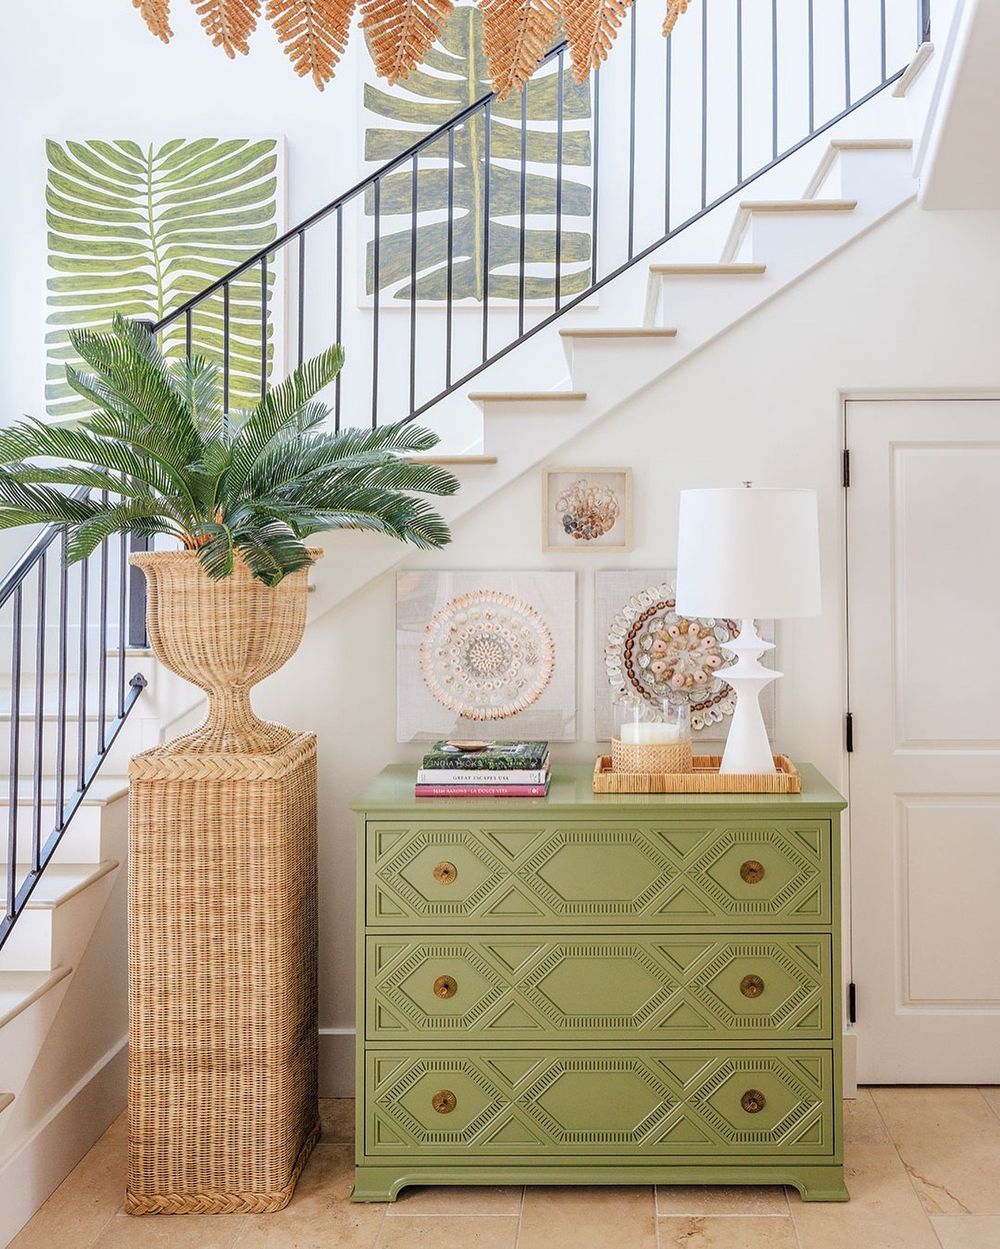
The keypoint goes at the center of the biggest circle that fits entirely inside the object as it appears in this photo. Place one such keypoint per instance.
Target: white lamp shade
(748, 553)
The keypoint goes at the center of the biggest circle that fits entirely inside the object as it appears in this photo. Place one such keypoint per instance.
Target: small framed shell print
(587, 509)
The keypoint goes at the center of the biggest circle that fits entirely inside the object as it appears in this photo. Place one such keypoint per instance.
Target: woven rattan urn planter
(223, 1108)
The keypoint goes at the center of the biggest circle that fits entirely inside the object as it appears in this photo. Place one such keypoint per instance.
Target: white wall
(899, 310)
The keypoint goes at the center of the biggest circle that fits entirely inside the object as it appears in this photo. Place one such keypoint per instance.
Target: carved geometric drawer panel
(642, 986)
(739, 873)
(654, 1103)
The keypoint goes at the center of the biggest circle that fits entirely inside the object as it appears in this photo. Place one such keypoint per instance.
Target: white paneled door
(923, 540)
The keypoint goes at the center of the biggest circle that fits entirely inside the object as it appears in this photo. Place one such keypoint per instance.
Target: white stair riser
(82, 842)
(868, 175)
(47, 937)
(597, 363)
(706, 305)
(22, 1038)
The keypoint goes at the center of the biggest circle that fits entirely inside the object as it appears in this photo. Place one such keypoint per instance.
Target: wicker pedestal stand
(222, 979)
(223, 1029)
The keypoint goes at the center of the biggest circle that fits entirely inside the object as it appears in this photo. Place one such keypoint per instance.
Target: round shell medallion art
(587, 510)
(652, 652)
(487, 655)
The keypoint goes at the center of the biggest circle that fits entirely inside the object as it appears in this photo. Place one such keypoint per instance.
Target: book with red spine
(480, 791)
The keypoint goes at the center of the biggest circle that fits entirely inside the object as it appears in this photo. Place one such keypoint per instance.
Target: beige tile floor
(923, 1168)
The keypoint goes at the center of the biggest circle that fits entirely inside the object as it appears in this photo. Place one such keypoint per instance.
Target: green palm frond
(140, 229)
(158, 458)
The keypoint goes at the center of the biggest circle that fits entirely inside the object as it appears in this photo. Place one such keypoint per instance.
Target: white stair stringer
(771, 244)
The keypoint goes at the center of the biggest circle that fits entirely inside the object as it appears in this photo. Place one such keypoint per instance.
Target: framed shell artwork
(587, 509)
(488, 654)
(646, 650)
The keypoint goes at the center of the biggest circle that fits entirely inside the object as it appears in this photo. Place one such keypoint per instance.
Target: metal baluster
(63, 665)
(812, 69)
(36, 802)
(847, 53)
(122, 600)
(667, 105)
(340, 308)
(523, 208)
(376, 245)
(739, 92)
(560, 87)
(883, 36)
(704, 103)
(595, 172)
(631, 133)
(450, 279)
(81, 768)
(302, 295)
(263, 326)
(14, 761)
(102, 691)
(487, 158)
(188, 333)
(774, 79)
(413, 283)
(225, 349)
(924, 17)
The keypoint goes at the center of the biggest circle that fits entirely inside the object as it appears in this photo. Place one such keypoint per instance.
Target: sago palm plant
(159, 455)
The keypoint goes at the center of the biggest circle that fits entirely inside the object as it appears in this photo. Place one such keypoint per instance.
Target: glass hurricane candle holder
(652, 736)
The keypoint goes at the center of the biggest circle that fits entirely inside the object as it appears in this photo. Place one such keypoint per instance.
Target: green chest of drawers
(598, 989)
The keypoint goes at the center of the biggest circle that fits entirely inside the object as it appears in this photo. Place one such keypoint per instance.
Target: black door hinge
(845, 476)
(849, 732)
(852, 1003)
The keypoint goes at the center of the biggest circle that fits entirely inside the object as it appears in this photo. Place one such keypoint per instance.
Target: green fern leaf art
(453, 75)
(140, 228)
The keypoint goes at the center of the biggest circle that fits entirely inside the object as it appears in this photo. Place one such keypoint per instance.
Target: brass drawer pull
(444, 1101)
(751, 986)
(446, 873)
(753, 1101)
(752, 872)
(445, 986)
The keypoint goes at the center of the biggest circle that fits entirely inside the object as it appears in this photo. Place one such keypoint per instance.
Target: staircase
(516, 382)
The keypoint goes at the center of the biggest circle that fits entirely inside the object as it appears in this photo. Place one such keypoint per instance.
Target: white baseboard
(336, 1062)
(38, 1163)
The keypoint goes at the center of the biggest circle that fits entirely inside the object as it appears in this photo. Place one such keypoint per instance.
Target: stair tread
(875, 145)
(18, 989)
(718, 268)
(60, 881)
(103, 789)
(451, 459)
(636, 331)
(525, 396)
(798, 205)
(5, 1101)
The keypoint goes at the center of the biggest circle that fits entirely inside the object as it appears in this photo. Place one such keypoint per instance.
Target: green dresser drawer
(640, 1104)
(641, 986)
(741, 873)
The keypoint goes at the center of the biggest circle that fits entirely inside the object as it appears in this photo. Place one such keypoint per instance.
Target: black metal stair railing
(649, 129)
(69, 630)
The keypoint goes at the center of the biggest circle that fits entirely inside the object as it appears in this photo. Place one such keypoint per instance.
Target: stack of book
(464, 769)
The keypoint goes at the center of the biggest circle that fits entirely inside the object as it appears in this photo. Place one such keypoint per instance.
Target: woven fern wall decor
(314, 33)
(138, 228)
(457, 73)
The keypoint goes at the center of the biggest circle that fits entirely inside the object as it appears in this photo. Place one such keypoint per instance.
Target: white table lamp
(748, 554)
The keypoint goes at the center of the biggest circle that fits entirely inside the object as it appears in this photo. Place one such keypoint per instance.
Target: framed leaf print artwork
(486, 655)
(138, 227)
(645, 649)
(486, 237)
(587, 509)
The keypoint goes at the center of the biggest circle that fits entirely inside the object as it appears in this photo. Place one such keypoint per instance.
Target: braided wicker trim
(223, 1203)
(159, 764)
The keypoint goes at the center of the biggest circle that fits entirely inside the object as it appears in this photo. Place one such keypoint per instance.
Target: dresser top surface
(571, 791)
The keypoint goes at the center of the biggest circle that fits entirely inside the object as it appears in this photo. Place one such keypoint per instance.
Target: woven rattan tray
(705, 779)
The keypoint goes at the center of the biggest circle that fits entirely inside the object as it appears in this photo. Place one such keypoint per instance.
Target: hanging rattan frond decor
(314, 33)
(674, 9)
(591, 26)
(156, 15)
(516, 36)
(401, 32)
(229, 23)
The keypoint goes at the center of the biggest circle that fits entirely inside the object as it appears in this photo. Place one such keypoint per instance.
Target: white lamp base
(747, 747)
